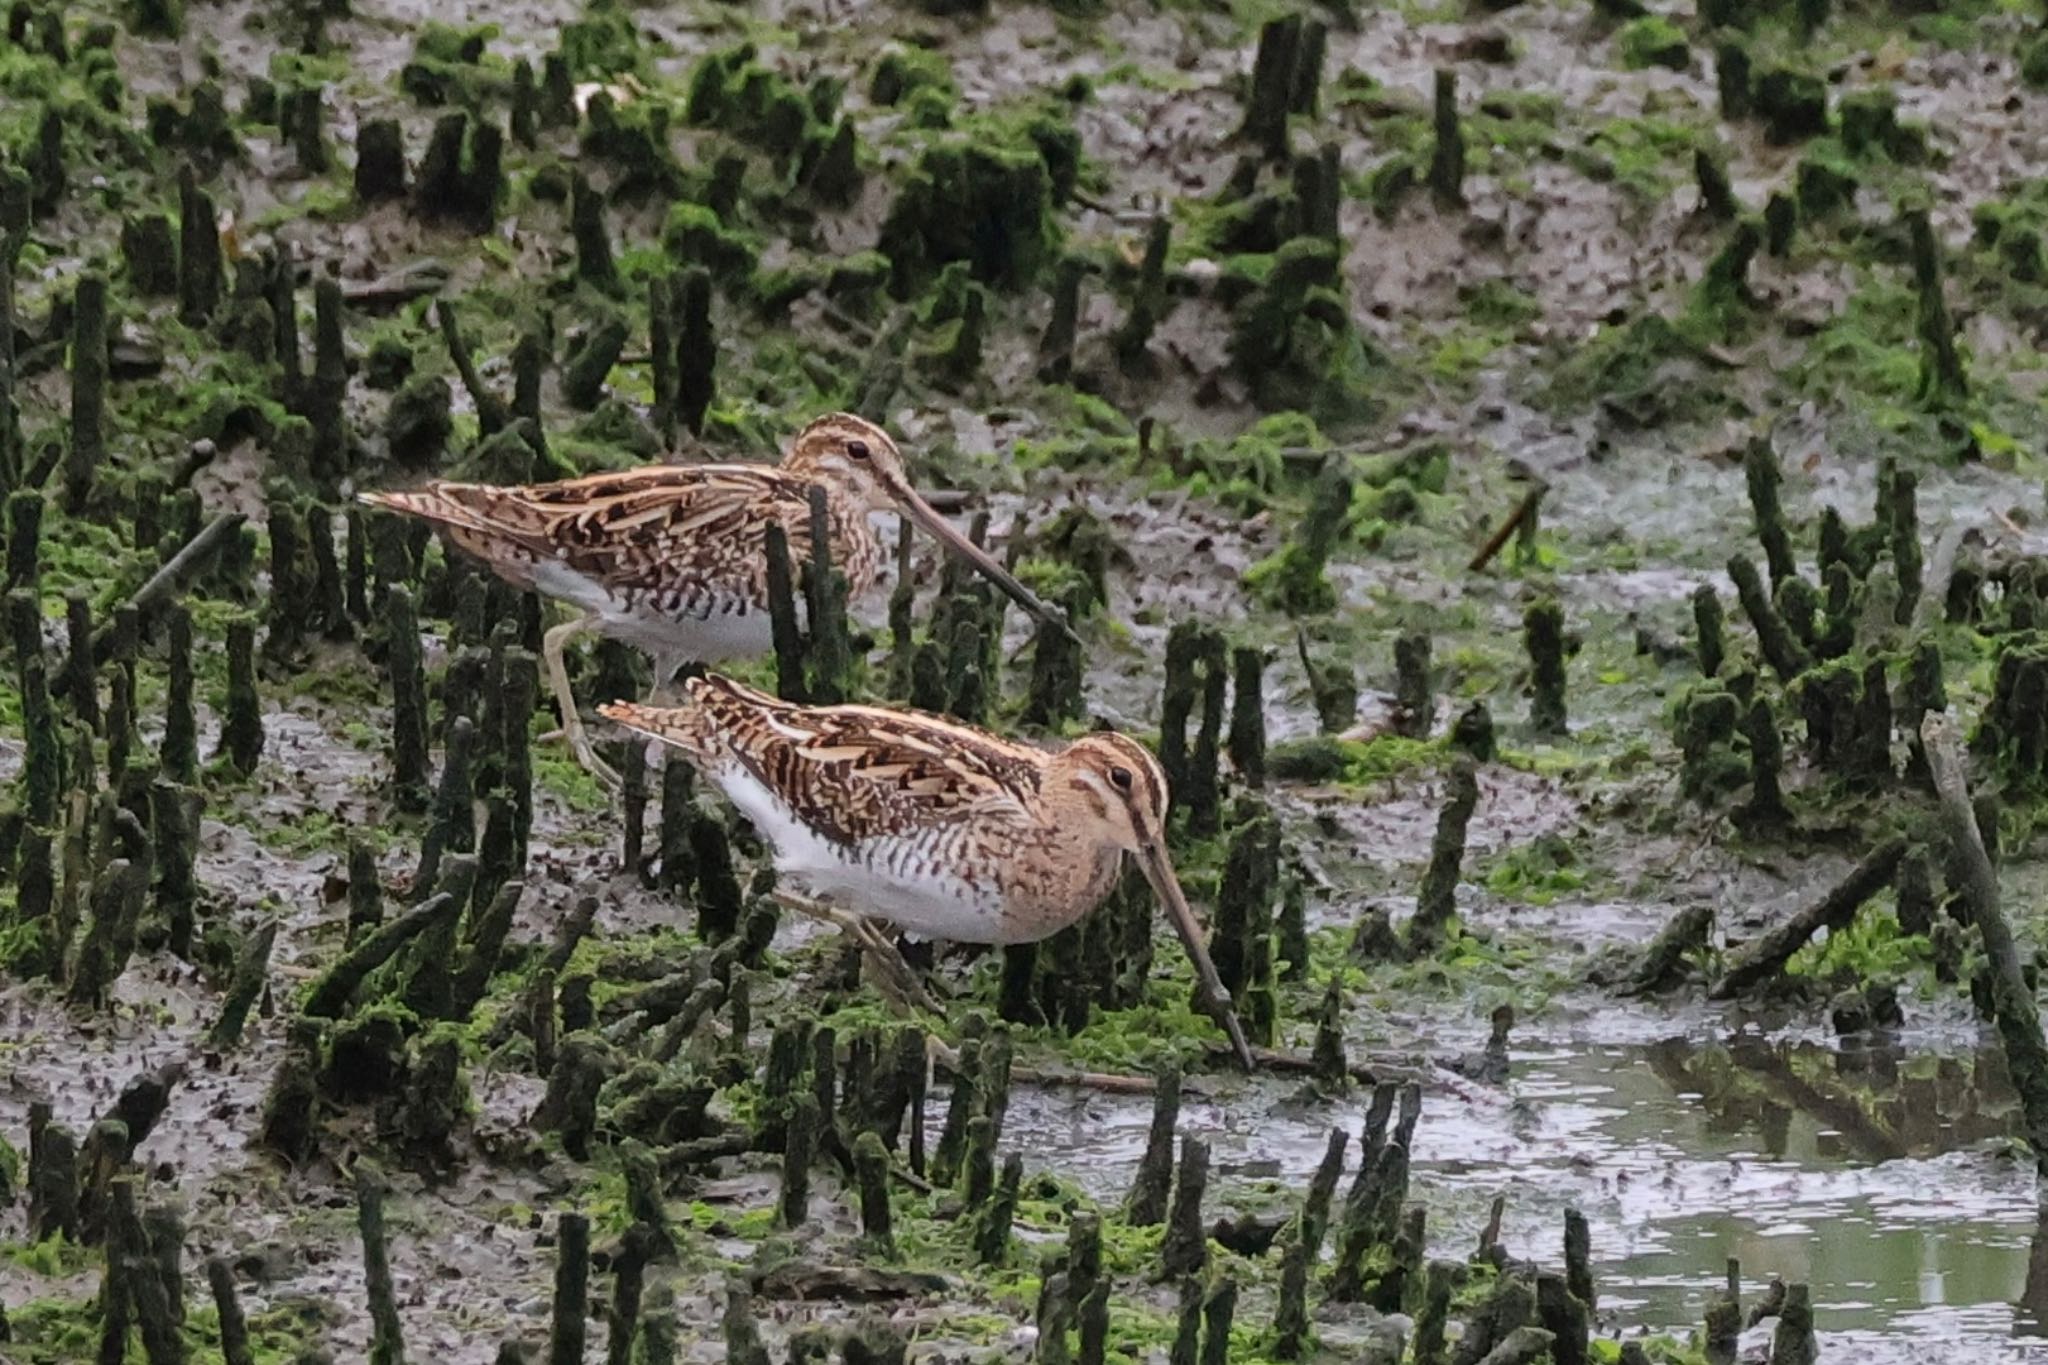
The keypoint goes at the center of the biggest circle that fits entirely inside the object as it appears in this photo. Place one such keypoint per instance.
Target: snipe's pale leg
(664, 691)
(892, 976)
(565, 697)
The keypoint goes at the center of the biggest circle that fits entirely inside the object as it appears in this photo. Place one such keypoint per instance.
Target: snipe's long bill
(943, 830)
(670, 558)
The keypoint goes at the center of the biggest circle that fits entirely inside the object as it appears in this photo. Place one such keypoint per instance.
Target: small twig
(1508, 527)
(846, 322)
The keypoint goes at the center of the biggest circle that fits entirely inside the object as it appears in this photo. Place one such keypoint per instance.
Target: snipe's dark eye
(1121, 777)
(857, 449)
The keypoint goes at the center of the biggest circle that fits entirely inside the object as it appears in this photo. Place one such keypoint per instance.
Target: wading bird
(671, 558)
(940, 829)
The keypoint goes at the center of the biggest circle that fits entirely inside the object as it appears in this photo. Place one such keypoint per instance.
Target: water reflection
(1872, 1102)
(1877, 1175)
(1869, 1171)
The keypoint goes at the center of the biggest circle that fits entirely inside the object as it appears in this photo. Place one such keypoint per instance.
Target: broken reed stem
(2019, 1020)
(572, 1289)
(387, 1341)
(234, 1328)
(1506, 530)
(252, 971)
(332, 992)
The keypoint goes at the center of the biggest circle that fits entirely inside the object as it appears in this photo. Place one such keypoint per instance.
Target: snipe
(671, 558)
(941, 829)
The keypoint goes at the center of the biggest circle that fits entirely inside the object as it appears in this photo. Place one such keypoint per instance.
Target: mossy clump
(693, 235)
(1825, 181)
(2014, 230)
(1277, 456)
(1053, 134)
(1645, 373)
(2034, 61)
(388, 362)
(736, 94)
(1792, 103)
(1871, 127)
(974, 200)
(957, 314)
(603, 44)
(1653, 40)
(1243, 224)
(1292, 578)
(1647, 156)
(1713, 756)
(1499, 303)
(1291, 339)
(448, 66)
(1349, 762)
(856, 282)
(419, 421)
(1722, 302)
(903, 71)
(156, 18)
(202, 128)
(633, 140)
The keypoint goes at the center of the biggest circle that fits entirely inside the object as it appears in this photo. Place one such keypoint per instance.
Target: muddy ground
(1506, 330)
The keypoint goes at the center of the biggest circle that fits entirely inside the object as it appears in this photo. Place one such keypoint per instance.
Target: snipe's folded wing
(860, 772)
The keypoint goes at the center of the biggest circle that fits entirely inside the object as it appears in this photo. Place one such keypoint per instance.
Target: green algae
(1653, 41)
(1651, 367)
(449, 66)
(1354, 763)
(1646, 156)
(1871, 948)
(69, 1329)
(1538, 872)
(733, 92)
(694, 234)
(901, 71)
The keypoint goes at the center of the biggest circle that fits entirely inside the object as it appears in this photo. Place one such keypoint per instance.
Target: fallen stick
(2018, 1020)
(395, 291)
(1766, 955)
(947, 500)
(1270, 1059)
(491, 412)
(332, 992)
(1507, 528)
(947, 1059)
(167, 581)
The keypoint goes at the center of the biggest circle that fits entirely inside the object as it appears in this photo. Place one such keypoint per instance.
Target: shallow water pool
(1883, 1179)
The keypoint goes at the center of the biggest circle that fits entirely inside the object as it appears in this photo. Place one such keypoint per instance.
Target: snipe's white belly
(912, 883)
(705, 630)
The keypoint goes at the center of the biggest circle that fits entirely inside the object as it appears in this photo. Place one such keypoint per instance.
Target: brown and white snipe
(941, 829)
(671, 558)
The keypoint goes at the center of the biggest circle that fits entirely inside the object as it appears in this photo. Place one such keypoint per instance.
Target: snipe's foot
(585, 754)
